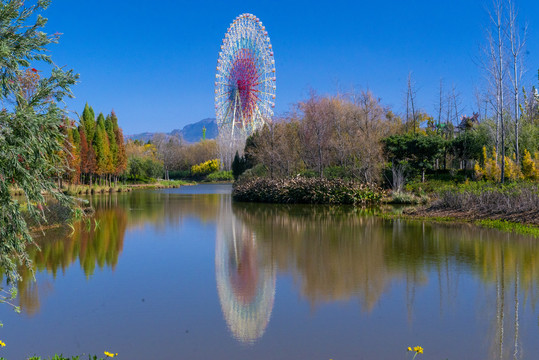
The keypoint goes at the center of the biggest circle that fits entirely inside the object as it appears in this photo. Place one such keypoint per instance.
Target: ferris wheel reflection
(245, 283)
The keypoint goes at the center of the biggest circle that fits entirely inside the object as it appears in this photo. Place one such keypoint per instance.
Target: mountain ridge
(191, 133)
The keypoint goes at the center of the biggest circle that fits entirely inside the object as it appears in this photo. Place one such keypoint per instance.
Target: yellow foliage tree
(512, 171)
(206, 167)
(490, 170)
(529, 170)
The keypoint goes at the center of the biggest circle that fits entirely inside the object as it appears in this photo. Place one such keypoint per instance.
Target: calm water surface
(188, 274)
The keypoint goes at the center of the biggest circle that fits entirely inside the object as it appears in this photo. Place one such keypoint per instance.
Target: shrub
(490, 170)
(306, 191)
(206, 167)
(258, 171)
(221, 176)
(488, 199)
(176, 175)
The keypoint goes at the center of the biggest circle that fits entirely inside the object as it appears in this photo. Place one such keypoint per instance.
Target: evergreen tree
(99, 147)
(88, 121)
(109, 127)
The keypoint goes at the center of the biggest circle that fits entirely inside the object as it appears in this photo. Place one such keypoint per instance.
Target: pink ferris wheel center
(245, 78)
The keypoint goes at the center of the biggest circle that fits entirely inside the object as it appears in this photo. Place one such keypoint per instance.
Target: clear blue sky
(153, 62)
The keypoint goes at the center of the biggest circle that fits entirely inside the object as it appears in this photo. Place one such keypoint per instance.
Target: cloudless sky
(153, 62)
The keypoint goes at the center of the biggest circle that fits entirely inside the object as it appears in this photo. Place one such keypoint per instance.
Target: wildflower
(110, 354)
(2, 344)
(417, 349)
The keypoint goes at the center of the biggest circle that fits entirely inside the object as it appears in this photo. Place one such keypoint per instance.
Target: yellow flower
(409, 348)
(110, 354)
(418, 349)
(2, 344)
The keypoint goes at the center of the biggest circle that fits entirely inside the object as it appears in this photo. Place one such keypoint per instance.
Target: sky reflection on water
(187, 272)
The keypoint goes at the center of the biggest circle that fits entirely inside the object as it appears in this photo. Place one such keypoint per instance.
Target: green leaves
(31, 129)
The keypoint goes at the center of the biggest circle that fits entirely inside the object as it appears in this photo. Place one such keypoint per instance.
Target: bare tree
(517, 41)
(411, 94)
(440, 104)
(167, 149)
(316, 130)
(495, 68)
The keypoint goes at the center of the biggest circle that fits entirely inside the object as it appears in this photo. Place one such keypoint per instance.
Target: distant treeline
(356, 137)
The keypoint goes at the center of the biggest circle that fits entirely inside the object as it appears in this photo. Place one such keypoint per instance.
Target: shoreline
(503, 223)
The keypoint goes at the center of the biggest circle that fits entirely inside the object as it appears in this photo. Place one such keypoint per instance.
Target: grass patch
(508, 226)
(174, 183)
(220, 176)
(502, 225)
(405, 198)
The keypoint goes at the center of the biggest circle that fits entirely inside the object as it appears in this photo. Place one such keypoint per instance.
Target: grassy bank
(515, 202)
(98, 189)
(502, 225)
(512, 208)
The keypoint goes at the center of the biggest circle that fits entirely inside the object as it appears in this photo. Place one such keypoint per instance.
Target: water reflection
(334, 254)
(245, 277)
(338, 253)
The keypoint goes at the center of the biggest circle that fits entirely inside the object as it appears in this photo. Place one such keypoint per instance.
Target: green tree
(100, 146)
(109, 127)
(88, 122)
(420, 151)
(468, 145)
(31, 137)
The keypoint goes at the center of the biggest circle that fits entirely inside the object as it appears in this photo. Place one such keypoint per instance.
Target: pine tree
(88, 121)
(113, 147)
(99, 147)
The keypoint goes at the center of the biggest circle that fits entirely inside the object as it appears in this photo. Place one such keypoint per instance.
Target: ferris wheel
(245, 78)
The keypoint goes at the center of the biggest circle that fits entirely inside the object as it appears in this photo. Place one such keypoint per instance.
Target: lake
(189, 274)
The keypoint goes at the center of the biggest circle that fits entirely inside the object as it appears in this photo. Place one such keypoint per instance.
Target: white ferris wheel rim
(247, 34)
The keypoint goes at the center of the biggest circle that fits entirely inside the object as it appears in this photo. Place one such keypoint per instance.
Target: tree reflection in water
(337, 253)
(334, 253)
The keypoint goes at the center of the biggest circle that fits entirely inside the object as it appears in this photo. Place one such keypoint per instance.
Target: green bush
(258, 170)
(177, 175)
(337, 172)
(143, 168)
(220, 176)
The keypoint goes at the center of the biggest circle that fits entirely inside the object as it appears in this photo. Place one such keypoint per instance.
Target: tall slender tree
(517, 42)
(121, 158)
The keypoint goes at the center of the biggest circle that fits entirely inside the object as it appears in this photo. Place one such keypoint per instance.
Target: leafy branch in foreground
(32, 128)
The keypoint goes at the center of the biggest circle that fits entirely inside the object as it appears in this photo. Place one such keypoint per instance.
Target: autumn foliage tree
(98, 157)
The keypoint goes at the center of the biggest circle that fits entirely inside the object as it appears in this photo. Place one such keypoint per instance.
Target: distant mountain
(190, 133)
